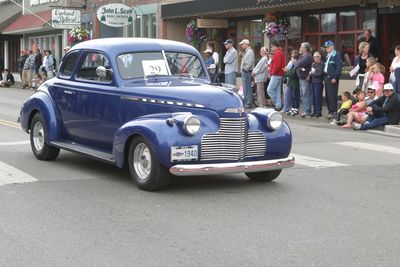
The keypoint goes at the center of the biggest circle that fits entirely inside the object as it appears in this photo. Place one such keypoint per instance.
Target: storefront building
(9, 44)
(145, 21)
(314, 21)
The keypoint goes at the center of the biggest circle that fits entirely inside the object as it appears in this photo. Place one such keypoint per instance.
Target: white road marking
(11, 175)
(368, 146)
(316, 163)
(14, 143)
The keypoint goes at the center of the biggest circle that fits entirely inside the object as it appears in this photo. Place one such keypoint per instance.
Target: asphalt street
(339, 206)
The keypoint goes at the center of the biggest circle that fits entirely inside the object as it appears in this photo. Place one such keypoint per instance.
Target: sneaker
(278, 109)
(334, 122)
(329, 116)
(356, 126)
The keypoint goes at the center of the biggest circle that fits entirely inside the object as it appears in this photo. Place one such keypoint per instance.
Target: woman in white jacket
(260, 74)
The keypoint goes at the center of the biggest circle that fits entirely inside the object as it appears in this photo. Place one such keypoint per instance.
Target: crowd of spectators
(308, 75)
(35, 67)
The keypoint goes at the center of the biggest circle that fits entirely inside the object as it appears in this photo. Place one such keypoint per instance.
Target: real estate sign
(115, 15)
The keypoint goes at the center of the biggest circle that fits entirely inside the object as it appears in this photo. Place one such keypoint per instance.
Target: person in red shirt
(276, 72)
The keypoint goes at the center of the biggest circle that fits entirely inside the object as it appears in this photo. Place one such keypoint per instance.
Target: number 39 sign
(154, 67)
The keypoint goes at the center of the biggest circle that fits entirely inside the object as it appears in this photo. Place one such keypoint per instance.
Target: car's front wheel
(38, 135)
(263, 176)
(145, 170)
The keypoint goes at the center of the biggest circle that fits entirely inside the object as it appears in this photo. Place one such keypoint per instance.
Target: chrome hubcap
(142, 161)
(38, 136)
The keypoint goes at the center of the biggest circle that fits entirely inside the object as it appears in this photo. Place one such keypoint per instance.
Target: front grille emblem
(239, 111)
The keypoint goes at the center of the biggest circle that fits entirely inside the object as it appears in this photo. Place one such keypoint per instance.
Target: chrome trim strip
(226, 168)
(160, 101)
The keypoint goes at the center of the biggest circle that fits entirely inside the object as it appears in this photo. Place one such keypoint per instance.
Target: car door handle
(69, 92)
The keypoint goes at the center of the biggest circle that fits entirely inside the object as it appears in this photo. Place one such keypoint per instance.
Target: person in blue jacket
(332, 72)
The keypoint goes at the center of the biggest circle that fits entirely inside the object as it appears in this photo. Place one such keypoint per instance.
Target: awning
(198, 8)
(29, 23)
(9, 13)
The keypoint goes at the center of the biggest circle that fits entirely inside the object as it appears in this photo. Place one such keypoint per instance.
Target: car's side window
(68, 65)
(88, 69)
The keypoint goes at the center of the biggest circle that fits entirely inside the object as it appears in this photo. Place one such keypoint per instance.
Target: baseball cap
(329, 43)
(208, 50)
(371, 87)
(228, 41)
(388, 86)
(245, 41)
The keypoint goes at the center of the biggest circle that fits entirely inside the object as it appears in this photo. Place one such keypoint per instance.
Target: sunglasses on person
(385, 90)
(370, 92)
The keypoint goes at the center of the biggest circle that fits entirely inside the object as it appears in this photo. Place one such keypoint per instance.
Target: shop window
(328, 22)
(347, 48)
(347, 21)
(312, 23)
(153, 32)
(367, 20)
(252, 30)
(294, 36)
(314, 41)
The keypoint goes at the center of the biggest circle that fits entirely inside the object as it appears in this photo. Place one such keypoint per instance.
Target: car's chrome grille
(233, 141)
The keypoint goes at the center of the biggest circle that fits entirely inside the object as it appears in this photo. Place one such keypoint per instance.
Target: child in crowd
(354, 96)
(37, 81)
(357, 113)
(344, 108)
(377, 78)
(367, 82)
(292, 91)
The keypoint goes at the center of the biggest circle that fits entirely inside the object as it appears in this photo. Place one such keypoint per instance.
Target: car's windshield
(146, 64)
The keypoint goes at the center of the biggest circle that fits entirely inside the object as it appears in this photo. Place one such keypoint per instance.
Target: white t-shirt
(216, 58)
(395, 64)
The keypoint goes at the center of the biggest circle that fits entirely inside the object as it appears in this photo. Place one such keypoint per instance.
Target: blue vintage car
(149, 104)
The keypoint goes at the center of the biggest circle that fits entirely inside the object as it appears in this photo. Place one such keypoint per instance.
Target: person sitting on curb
(357, 111)
(8, 79)
(385, 110)
(371, 95)
(344, 108)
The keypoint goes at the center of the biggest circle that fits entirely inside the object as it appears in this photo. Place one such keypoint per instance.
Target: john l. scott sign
(65, 19)
(115, 15)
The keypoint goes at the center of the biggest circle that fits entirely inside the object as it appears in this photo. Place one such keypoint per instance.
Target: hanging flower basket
(77, 35)
(195, 35)
(277, 25)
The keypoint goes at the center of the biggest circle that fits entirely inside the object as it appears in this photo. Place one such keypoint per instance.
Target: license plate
(184, 153)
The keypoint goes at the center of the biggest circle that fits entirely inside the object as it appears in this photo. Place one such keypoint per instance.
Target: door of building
(390, 39)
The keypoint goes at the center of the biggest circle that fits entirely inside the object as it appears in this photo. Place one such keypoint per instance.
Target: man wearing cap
(371, 95)
(384, 110)
(332, 71)
(231, 62)
(247, 67)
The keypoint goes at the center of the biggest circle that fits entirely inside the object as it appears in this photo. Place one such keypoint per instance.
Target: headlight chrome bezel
(186, 125)
(275, 120)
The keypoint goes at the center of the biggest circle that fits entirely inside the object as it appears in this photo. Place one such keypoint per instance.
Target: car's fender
(161, 135)
(41, 102)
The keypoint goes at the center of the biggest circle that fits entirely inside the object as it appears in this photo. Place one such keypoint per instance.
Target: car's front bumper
(236, 167)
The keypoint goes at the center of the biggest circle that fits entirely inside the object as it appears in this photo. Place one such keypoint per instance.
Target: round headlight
(275, 120)
(191, 125)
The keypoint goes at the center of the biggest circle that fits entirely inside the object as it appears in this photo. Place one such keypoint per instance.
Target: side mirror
(101, 71)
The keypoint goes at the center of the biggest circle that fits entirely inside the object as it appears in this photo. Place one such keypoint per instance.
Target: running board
(93, 153)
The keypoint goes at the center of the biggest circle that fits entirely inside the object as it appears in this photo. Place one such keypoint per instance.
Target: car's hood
(217, 98)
